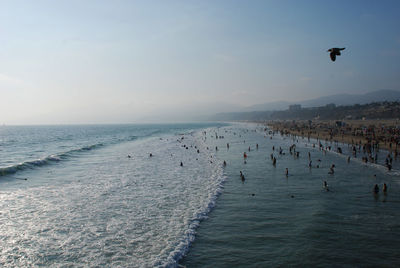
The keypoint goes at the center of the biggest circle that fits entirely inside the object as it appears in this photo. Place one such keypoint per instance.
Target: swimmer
(287, 172)
(129, 156)
(181, 164)
(224, 163)
(151, 155)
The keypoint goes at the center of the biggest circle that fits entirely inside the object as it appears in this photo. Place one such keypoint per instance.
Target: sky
(93, 62)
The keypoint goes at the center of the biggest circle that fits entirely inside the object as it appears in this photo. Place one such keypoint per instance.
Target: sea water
(93, 196)
(274, 220)
(78, 196)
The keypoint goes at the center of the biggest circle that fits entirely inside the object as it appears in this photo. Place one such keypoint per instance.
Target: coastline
(385, 134)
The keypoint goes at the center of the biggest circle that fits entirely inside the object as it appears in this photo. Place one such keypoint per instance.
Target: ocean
(93, 196)
(160, 196)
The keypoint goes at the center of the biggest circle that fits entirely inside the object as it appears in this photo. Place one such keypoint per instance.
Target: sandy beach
(383, 133)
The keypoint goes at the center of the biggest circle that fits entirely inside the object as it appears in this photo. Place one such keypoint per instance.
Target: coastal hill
(271, 110)
(338, 99)
(375, 110)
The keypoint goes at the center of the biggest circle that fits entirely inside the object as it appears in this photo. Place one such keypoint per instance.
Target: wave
(185, 242)
(45, 161)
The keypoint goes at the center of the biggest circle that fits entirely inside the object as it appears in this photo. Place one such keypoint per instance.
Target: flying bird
(335, 51)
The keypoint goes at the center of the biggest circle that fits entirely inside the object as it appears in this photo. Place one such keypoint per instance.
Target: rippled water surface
(71, 197)
(272, 220)
(84, 202)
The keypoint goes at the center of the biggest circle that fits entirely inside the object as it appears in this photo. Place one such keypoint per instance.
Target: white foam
(110, 210)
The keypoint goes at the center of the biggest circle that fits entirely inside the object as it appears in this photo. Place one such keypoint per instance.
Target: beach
(383, 132)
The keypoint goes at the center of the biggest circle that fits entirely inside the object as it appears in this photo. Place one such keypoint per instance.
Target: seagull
(335, 51)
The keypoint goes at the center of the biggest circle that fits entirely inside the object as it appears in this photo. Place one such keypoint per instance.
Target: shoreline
(383, 134)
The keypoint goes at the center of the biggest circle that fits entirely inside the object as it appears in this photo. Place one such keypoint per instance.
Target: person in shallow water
(242, 177)
(326, 186)
(384, 189)
(332, 169)
(376, 188)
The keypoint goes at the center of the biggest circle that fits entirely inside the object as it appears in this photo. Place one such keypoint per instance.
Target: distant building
(331, 105)
(294, 107)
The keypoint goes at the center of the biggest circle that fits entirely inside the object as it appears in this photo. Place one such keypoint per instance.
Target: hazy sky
(133, 61)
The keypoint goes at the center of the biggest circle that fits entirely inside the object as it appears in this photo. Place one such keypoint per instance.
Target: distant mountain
(262, 110)
(270, 106)
(338, 99)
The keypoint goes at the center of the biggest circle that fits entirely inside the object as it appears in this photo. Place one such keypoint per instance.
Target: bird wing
(333, 56)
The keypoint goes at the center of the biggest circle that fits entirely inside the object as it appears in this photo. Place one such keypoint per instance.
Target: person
(376, 188)
(244, 155)
(151, 155)
(287, 172)
(384, 188)
(242, 177)
(326, 186)
(181, 164)
(224, 163)
(332, 170)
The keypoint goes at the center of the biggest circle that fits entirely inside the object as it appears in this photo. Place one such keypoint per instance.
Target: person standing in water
(376, 189)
